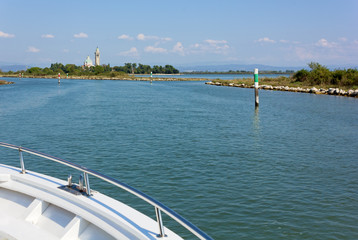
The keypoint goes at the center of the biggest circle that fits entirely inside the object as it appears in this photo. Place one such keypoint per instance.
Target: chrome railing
(157, 205)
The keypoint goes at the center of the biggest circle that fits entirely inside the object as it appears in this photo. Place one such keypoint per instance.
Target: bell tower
(96, 57)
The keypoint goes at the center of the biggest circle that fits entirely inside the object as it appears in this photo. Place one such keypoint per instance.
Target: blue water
(286, 171)
(214, 76)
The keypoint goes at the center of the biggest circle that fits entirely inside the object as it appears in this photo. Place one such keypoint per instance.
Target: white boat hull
(32, 206)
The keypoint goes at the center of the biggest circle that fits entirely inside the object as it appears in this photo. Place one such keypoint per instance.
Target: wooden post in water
(256, 79)
(59, 77)
(151, 77)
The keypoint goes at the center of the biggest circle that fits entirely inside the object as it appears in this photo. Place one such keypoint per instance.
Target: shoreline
(4, 82)
(313, 90)
(129, 78)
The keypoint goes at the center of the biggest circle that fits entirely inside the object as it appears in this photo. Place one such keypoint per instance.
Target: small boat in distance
(38, 206)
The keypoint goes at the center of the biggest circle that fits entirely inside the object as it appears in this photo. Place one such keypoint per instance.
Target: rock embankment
(3, 82)
(330, 91)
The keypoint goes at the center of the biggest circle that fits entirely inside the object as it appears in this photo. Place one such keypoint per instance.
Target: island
(3, 82)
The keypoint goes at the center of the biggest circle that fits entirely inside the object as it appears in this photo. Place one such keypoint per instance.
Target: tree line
(321, 75)
(106, 69)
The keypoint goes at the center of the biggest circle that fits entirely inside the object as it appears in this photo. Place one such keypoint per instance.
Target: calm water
(287, 171)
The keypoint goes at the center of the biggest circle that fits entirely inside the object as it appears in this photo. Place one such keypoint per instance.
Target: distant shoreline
(120, 78)
(313, 89)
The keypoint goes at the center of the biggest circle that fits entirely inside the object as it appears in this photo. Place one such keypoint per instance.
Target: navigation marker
(256, 79)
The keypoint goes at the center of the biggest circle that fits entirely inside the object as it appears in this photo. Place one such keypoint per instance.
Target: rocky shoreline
(313, 90)
(3, 82)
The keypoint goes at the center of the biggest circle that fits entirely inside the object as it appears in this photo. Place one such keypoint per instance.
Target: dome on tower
(88, 62)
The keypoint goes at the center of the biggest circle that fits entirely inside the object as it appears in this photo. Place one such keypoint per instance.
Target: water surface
(286, 171)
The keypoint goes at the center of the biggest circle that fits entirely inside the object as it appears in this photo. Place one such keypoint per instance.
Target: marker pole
(59, 78)
(256, 79)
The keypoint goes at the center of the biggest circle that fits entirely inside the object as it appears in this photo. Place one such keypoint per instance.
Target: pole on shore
(59, 78)
(256, 79)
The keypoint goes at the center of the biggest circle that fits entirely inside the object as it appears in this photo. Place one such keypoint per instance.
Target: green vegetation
(102, 70)
(321, 75)
(318, 76)
(128, 68)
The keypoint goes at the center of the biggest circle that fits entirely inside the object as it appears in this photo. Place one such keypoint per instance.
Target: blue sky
(195, 32)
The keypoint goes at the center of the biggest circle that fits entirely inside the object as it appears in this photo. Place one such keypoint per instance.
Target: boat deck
(37, 206)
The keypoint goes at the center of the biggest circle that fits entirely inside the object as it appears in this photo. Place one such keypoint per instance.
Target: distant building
(96, 57)
(88, 62)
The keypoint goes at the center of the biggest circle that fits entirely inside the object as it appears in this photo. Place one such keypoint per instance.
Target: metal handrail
(157, 205)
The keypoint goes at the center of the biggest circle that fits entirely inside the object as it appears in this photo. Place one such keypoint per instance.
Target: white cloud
(283, 41)
(324, 43)
(209, 45)
(166, 39)
(155, 49)
(215, 42)
(143, 37)
(133, 52)
(80, 35)
(6, 35)
(33, 49)
(178, 48)
(47, 36)
(343, 39)
(266, 40)
(125, 37)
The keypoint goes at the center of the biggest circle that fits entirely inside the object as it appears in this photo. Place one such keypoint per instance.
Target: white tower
(96, 57)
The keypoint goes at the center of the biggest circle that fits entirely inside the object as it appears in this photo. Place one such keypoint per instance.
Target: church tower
(96, 57)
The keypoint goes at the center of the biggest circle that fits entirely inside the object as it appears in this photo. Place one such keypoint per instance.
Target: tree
(134, 66)
(57, 67)
(156, 69)
(98, 69)
(47, 71)
(34, 71)
(70, 68)
(127, 67)
(319, 74)
(301, 75)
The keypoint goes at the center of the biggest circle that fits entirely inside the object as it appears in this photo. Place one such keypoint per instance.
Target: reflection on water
(256, 129)
(256, 119)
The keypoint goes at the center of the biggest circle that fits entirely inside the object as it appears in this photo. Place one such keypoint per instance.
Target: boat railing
(158, 206)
